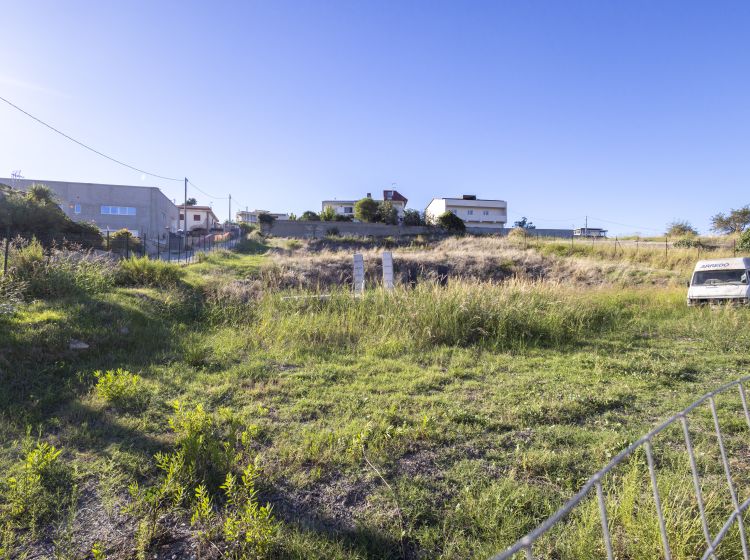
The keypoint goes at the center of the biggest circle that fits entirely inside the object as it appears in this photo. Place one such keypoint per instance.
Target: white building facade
(199, 218)
(251, 216)
(476, 213)
(346, 207)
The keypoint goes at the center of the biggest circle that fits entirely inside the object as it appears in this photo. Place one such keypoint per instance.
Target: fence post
(127, 245)
(169, 246)
(7, 247)
(107, 239)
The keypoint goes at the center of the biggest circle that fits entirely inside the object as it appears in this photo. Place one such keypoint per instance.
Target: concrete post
(359, 274)
(387, 270)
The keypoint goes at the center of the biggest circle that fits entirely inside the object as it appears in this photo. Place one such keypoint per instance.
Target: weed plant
(143, 271)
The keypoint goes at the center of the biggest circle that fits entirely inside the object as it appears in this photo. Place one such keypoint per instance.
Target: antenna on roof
(14, 176)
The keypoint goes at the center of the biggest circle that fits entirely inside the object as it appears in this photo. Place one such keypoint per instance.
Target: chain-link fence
(164, 246)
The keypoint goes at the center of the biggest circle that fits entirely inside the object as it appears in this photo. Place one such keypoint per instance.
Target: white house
(346, 207)
(199, 217)
(251, 217)
(474, 212)
(341, 207)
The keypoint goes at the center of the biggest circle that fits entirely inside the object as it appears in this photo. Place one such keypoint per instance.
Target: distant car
(720, 281)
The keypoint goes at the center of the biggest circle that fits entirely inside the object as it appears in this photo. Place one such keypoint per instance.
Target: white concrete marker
(359, 274)
(387, 270)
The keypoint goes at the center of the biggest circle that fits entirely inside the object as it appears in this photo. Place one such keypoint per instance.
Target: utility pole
(184, 210)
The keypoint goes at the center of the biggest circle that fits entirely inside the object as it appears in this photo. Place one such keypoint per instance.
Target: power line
(205, 193)
(61, 133)
(624, 225)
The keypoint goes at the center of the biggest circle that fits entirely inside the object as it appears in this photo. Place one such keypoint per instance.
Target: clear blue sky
(636, 112)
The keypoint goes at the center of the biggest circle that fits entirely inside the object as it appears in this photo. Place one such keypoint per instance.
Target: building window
(470, 212)
(348, 210)
(486, 212)
(196, 217)
(77, 209)
(182, 216)
(118, 210)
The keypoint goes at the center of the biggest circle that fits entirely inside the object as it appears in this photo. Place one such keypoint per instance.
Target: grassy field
(434, 421)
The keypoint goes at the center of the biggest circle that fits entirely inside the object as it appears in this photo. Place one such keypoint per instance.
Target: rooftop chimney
(470, 197)
(369, 195)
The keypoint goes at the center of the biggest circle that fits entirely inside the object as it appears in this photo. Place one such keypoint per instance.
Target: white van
(720, 281)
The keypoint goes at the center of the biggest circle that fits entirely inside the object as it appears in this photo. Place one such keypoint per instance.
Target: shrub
(252, 245)
(209, 453)
(60, 272)
(249, 528)
(687, 243)
(35, 494)
(450, 222)
(387, 213)
(123, 241)
(413, 218)
(309, 216)
(143, 271)
(11, 295)
(292, 244)
(332, 232)
(328, 214)
(517, 233)
(120, 388)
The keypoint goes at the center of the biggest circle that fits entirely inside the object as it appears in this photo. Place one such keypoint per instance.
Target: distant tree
(191, 202)
(266, 219)
(734, 222)
(292, 217)
(413, 218)
(309, 216)
(450, 222)
(743, 244)
(681, 228)
(328, 214)
(366, 210)
(386, 213)
(246, 228)
(524, 224)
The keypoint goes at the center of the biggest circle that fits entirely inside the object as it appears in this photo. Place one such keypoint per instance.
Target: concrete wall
(563, 233)
(154, 211)
(317, 230)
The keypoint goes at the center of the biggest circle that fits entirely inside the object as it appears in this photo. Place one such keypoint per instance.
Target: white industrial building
(476, 213)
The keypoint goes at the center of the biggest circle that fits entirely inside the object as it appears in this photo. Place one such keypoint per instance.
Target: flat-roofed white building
(252, 216)
(476, 213)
